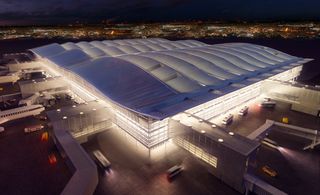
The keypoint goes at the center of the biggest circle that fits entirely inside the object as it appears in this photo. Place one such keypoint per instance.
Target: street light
(220, 140)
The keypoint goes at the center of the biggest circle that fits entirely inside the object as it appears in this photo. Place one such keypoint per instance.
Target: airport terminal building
(148, 81)
(151, 87)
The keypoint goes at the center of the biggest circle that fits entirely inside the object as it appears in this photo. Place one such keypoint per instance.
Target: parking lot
(257, 116)
(132, 172)
(298, 170)
(24, 164)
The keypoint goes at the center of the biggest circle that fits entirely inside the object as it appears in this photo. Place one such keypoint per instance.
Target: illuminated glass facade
(144, 82)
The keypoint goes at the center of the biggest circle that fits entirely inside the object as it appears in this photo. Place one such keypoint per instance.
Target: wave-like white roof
(146, 75)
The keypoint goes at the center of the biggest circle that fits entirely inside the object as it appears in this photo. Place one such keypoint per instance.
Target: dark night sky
(64, 11)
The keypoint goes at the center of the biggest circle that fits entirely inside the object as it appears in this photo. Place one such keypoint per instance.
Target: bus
(268, 103)
(243, 111)
(33, 128)
(227, 119)
(103, 162)
(173, 171)
(267, 170)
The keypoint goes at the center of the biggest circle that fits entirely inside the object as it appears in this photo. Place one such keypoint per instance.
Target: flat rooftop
(235, 142)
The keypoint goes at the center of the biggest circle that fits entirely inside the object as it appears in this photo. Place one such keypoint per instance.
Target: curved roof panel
(48, 50)
(69, 58)
(111, 50)
(142, 48)
(128, 49)
(243, 56)
(202, 64)
(219, 61)
(97, 43)
(94, 52)
(232, 58)
(184, 68)
(127, 85)
(109, 43)
(150, 76)
(70, 45)
(84, 45)
(253, 54)
(162, 72)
